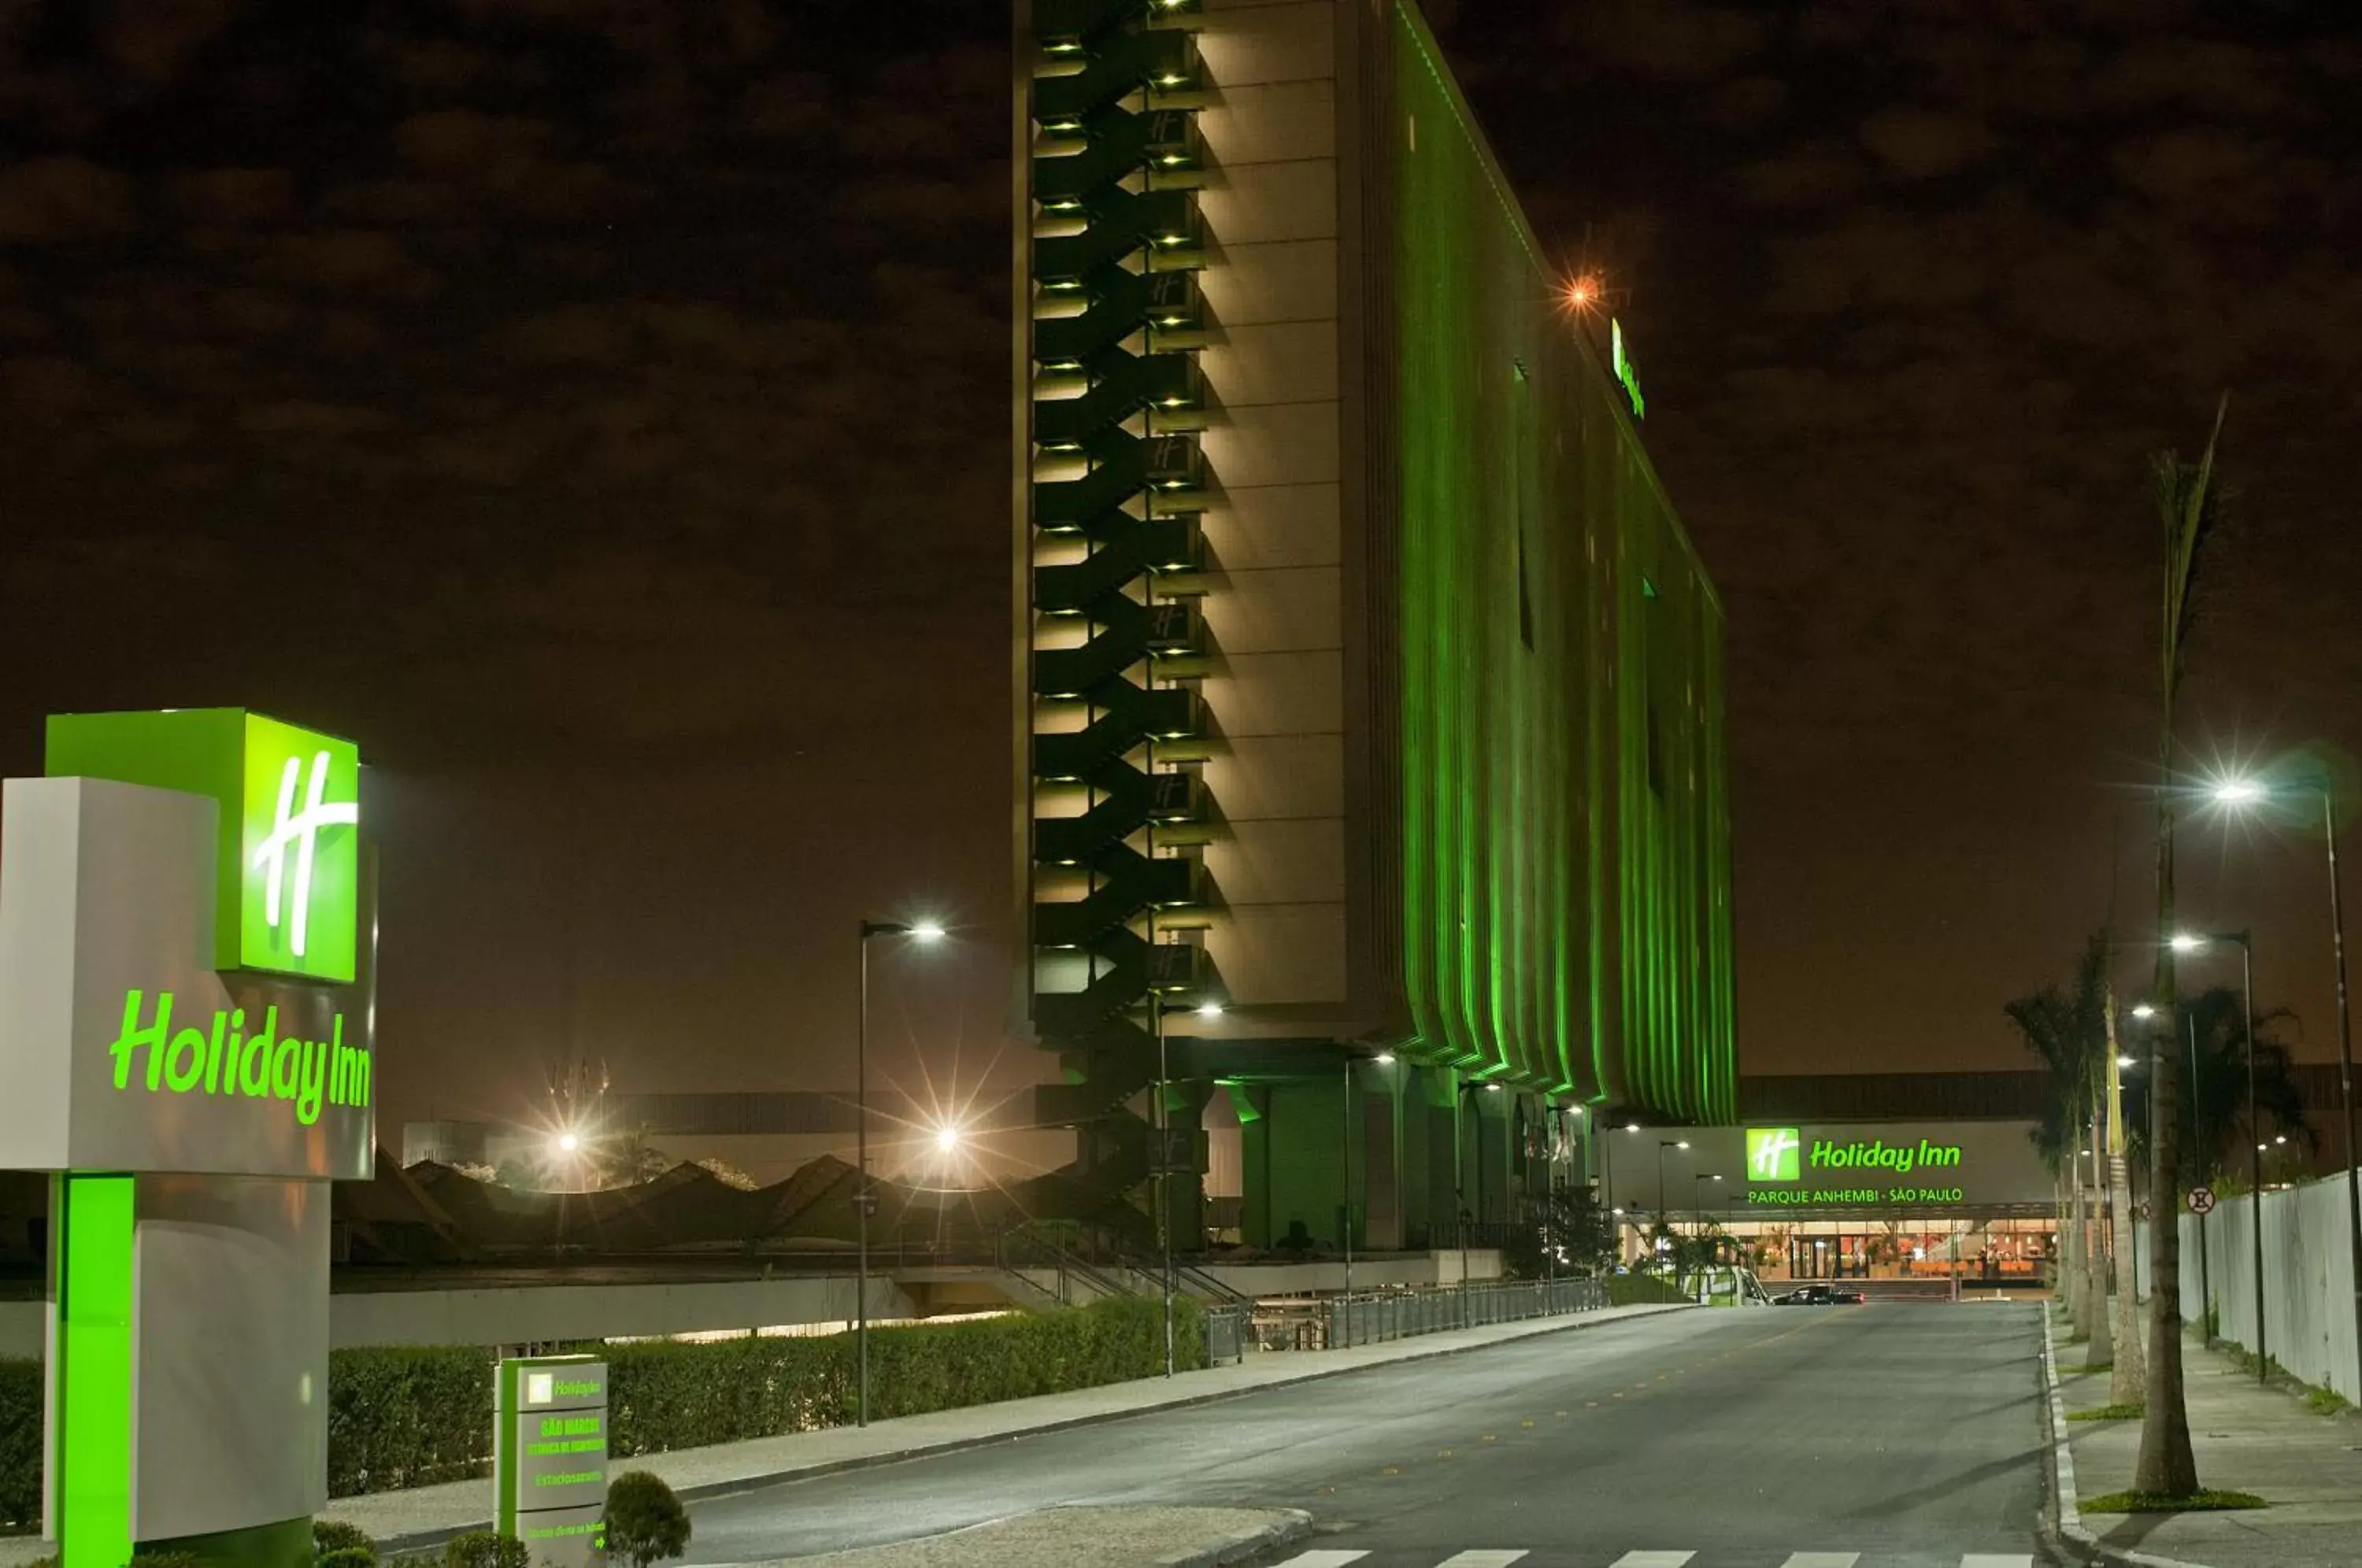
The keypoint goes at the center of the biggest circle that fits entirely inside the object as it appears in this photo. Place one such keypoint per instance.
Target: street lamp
(864, 1201)
(1697, 1197)
(2185, 943)
(1663, 1145)
(2250, 791)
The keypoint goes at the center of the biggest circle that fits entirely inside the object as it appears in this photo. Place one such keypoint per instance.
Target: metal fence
(1335, 1321)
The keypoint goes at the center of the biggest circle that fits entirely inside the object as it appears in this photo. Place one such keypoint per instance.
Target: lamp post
(1382, 1058)
(1698, 1199)
(2244, 791)
(2186, 943)
(1663, 1145)
(863, 1200)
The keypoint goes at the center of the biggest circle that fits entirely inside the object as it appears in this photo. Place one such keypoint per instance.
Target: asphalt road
(1909, 1434)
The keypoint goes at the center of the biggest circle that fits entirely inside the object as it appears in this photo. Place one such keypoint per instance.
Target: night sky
(598, 410)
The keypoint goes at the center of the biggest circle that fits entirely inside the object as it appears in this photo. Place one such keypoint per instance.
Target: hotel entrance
(1838, 1256)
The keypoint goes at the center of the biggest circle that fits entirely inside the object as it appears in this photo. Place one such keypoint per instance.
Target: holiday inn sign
(1847, 1166)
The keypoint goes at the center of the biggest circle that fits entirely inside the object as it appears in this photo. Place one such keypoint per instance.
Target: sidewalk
(1118, 1537)
(2247, 1439)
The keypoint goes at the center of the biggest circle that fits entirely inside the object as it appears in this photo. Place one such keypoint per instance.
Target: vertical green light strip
(93, 1372)
(1566, 918)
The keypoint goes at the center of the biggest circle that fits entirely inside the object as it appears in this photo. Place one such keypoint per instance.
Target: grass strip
(2206, 1502)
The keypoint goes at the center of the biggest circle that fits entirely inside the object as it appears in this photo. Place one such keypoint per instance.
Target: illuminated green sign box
(290, 855)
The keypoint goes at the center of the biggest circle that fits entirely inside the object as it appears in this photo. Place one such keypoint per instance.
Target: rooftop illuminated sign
(1626, 371)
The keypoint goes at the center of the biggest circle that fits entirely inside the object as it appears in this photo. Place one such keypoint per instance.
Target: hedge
(411, 1417)
(665, 1396)
(20, 1447)
(1641, 1289)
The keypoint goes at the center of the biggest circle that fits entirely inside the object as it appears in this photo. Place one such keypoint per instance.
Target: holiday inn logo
(301, 866)
(289, 878)
(1773, 1154)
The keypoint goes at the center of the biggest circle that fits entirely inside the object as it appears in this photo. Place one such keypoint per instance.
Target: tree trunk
(2082, 1244)
(2102, 1351)
(2166, 1467)
(2127, 1385)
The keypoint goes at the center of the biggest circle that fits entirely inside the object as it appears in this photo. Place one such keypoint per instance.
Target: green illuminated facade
(1368, 686)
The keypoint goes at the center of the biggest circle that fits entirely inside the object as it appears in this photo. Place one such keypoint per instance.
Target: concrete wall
(532, 1313)
(1270, 208)
(2309, 1322)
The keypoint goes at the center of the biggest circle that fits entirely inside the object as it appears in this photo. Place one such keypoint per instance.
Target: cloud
(1684, 41)
(52, 199)
(505, 159)
(1816, 175)
(152, 39)
(340, 261)
(234, 198)
(1918, 143)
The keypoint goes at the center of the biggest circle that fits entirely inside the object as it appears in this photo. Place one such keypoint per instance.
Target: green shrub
(411, 1417)
(663, 1396)
(1641, 1289)
(347, 1557)
(20, 1447)
(167, 1560)
(645, 1520)
(332, 1536)
(403, 1416)
(482, 1549)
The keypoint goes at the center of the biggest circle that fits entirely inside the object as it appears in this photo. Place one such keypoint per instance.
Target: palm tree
(2068, 1029)
(2214, 1126)
(2190, 505)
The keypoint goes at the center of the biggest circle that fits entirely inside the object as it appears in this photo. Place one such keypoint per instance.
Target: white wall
(526, 1314)
(2309, 1312)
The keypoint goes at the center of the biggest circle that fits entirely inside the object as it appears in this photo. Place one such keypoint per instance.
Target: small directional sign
(2202, 1199)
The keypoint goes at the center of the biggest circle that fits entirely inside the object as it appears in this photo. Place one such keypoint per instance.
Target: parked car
(1819, 1296)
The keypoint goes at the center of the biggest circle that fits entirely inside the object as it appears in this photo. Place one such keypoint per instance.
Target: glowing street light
(948, 1138)
(2238, 791)
(926, 931)
(567, 1143)
(2144, 1011)
(2183, 942)
(1209, 1009)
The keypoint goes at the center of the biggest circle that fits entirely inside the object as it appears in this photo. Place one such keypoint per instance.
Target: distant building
(1367, 686)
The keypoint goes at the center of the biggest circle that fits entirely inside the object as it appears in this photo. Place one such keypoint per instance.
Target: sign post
(186, 1001)
(550, 1458)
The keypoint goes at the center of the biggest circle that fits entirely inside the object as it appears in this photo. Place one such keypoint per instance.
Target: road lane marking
(1323, 1559)
(1998, 1560)
(1653, 1559)
(1481, 1560)
(1822, 1560)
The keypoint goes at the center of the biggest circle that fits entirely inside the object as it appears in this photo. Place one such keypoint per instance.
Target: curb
(2064, 1531)
(421, 1539)
(1246, 1545)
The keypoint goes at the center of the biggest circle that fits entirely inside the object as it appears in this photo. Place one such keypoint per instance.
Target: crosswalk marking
(1498, 1557)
